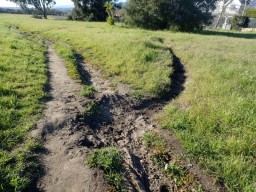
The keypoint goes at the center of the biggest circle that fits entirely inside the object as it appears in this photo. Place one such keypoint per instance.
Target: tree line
(179, 15)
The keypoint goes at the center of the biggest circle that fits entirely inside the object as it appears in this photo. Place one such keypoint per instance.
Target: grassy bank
(23, 76)
(214, 117)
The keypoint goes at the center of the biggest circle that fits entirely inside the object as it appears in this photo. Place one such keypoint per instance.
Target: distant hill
(63, 8)
(15, 8)
(59, 8)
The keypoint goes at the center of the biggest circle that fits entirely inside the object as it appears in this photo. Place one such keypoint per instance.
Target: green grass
(157, 147)
(23, 76)
(111, 162)
(65, 51)
(181, 179)
(88, 91)
(135, 57)
(214, 118)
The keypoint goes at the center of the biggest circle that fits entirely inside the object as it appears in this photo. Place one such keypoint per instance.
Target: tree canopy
(250, 12)
(40, 5)
(182, 15)
(89, 10)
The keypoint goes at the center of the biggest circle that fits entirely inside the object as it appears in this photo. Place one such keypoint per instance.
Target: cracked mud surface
(70, 134)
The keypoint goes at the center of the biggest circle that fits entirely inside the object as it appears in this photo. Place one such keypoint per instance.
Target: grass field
(134, 57)
(23, 75)
(214, 117)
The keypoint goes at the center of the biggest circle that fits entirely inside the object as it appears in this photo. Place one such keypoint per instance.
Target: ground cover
(23, 76)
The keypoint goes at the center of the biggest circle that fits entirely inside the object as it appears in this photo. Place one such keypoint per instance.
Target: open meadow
(214, 117)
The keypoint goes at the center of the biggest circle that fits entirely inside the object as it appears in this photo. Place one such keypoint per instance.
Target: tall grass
(22, 77)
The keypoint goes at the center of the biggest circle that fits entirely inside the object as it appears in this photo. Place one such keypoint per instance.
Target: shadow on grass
(229, 34)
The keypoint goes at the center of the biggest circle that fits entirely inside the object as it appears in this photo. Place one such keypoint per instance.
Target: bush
(250, 12)
(181, 15)
(110, 21)
(36, 16)
(239, 22)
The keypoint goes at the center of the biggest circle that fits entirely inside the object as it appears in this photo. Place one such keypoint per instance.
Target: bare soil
(70, 133)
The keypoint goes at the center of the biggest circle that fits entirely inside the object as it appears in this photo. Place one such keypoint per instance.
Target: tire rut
(64, 167)
(70, 133)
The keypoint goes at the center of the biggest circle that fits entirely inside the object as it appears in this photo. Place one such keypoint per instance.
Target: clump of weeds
(182, 179)
(158, 148)
(88, 91)
(110, 161)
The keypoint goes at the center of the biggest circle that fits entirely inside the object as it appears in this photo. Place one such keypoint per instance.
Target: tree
(90, 10)
(110, 10)
(246, 4)
(250, 12)
(40, 5)
(224, 5)
(183, 15)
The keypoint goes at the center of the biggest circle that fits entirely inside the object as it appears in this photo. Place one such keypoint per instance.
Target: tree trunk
(245, 5)
(223, 10)
(44, 10)
(45, 16)
(220, 15)
(218, 21)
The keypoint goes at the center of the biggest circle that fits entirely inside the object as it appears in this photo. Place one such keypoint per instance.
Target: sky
(5, 3)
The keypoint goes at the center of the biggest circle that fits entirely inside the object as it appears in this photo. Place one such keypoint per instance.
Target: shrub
(182, 15)
(239, 22)
(250, 12)
(110, 21)
(36, 16)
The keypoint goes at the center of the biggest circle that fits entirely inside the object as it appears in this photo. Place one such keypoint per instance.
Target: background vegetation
(89, 10)
(178, 15)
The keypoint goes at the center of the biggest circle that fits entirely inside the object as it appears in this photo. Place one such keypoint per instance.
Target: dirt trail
(64, 161)
(70, 133)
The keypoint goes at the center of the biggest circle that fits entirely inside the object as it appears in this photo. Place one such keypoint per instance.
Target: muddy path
(64, 167)
(70, 133)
